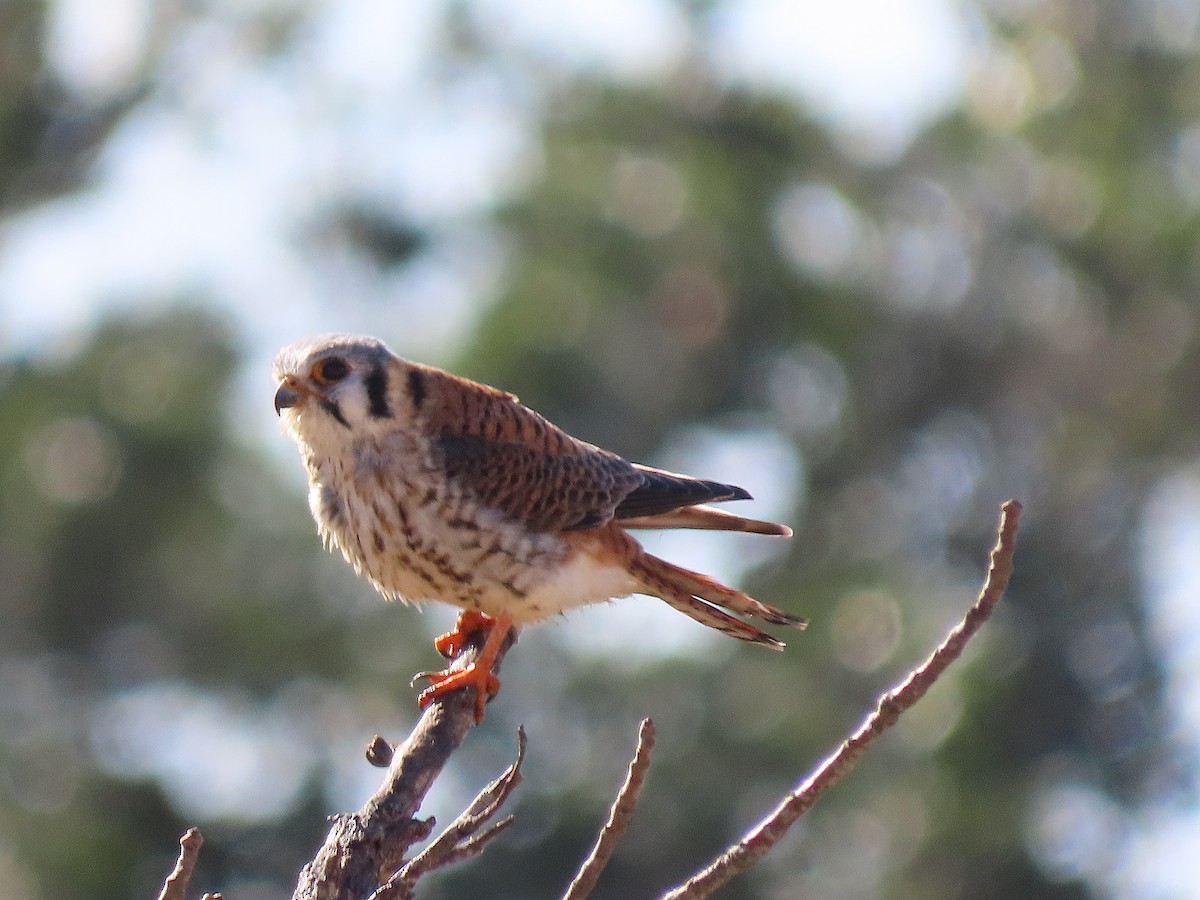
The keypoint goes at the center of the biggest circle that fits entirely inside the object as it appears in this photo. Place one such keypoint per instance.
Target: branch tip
(619, 817)
(763, 836)
(176, 885)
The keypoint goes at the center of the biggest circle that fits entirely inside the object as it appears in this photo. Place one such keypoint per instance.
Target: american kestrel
(439, 488)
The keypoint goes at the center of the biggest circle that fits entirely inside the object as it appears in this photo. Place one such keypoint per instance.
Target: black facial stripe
(416, 388)
(332, 408)
(377, 394)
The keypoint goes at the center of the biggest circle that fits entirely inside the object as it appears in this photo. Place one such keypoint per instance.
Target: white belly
(579, 581)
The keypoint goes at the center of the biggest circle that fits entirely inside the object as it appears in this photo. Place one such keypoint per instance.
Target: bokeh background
(884, 263)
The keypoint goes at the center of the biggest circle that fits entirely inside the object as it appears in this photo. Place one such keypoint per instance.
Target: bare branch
(756, 842)
(462, 838)
(400, 887)
(375, 839)
(473, 846)
(176, 885)
(618, 818)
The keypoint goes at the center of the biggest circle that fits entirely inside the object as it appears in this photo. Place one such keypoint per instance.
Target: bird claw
(420, 675)
(485, 683)
(470, 622)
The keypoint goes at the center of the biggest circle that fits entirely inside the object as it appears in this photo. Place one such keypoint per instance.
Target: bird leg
(477, 674)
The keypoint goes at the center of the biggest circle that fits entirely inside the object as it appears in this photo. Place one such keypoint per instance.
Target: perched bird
(439, 488)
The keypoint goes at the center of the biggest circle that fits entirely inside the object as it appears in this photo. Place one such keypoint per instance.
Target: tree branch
(176, 885)
(364, 853)
(368, 845)
(463, 838)
(766, 833)
(618, 818)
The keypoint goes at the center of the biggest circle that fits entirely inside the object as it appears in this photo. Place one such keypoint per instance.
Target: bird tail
(700, 597)
(705, 518)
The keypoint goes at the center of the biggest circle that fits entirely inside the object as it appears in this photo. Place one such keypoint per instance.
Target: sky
(205, 186)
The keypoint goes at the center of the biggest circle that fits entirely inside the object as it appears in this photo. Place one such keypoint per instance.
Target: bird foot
(477, 674)
(470, 622)
(485, 683)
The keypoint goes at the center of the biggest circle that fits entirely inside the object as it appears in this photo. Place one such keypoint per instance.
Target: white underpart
(580, 582)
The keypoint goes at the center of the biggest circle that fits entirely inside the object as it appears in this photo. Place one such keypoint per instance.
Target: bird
(438, 488)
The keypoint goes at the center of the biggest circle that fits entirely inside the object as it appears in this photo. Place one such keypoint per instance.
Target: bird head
(335, 387)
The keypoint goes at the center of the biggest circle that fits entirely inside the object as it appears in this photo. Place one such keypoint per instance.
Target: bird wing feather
(661, 492)
(513, 460)
(517, 462)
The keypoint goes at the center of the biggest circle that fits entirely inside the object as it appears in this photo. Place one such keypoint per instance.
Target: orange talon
(479, 673)
(444, 682)
(470, 622)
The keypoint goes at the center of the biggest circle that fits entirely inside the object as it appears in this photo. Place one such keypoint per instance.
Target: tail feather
(709, 615)
(698, 596)
(706, 518)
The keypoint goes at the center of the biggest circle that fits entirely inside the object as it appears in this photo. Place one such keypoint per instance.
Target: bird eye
(331, 370)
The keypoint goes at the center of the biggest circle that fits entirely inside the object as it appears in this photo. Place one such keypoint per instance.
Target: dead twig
(374, 840)
(756, 842)
(463, 838)
(618, 818)
(176, 885)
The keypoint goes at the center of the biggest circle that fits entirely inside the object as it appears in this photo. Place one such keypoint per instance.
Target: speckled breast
(420, 539)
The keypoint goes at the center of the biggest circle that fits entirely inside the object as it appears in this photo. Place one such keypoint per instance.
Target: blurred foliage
(1006, 310)
(47, 138)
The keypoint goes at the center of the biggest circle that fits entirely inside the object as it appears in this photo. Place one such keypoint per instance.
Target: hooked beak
(287, 396)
